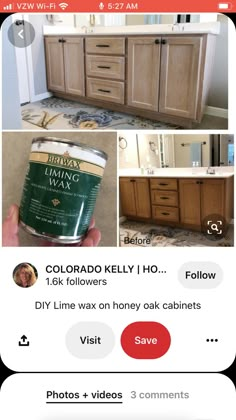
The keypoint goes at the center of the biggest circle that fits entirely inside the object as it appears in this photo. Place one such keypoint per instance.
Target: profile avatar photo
(25, 275)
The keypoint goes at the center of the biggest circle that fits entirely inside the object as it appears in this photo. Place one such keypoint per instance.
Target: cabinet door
(55, 64)
(180, 74)
(142, 197)
(74, 65)
(127, 196)
(190, 205)
(143, 72)
(212, 197)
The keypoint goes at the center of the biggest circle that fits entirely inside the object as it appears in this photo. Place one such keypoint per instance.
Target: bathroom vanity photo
(118, 72)
(165, 192)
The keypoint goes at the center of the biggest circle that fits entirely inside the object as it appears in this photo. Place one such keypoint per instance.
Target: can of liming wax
(60, 189)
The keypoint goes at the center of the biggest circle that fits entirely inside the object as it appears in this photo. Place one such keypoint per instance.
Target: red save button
(145, 340)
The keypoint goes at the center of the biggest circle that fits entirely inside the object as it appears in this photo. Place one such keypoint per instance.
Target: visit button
(145, 340)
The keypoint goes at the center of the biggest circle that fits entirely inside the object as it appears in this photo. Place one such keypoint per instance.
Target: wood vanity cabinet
(65, 64)
(174, 64)
(163, 77)
(143, 72)
(164, 199)
(180, 202)
(105, 68)
(201, 197)
(135, 197)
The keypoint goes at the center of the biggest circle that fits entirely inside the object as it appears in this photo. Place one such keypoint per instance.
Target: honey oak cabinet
(164, 199)
(135, 197)
(189, 195)
(65, 64)
(181, 202)
(202, 197)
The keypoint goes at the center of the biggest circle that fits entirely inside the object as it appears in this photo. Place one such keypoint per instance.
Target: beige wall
(182, 154)
(218, 94)
(128, 157)
(16, 148)
(135, 20)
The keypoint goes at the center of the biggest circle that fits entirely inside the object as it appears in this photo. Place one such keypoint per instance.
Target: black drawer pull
(163, 184)
(132, 180)
(59, 40)
(102, 46)
(103, 67)
(165, 214)
(164, 198)
(62, 40)
(157, 41)
(163, 41)
(104, 90)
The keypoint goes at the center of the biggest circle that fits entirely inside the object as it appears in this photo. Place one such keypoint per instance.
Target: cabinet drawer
(107, 67)
(100, 45)
(164, 183)
(170, 214)
(166, 198)
(106, 90)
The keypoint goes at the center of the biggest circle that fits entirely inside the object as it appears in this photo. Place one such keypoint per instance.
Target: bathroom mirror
(175, 151)
(117, 19)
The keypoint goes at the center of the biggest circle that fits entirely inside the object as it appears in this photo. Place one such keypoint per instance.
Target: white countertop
(179, 29)
(220, 172)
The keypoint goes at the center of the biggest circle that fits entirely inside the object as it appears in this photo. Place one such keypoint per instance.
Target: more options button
(145, 340)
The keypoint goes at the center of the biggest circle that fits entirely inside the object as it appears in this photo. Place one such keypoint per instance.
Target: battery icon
(224, 6)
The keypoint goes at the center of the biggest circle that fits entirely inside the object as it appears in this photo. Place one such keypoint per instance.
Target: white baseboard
(122, 219)
(216, 112)
(40, 97)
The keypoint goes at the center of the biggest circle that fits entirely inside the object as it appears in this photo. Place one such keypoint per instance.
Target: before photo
(176, 189)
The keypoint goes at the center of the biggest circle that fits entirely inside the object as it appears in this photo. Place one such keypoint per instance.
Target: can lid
(70, 144)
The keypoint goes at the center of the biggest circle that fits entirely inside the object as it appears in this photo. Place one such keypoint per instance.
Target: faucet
(150, 171)
(85, 28)
(210, 171)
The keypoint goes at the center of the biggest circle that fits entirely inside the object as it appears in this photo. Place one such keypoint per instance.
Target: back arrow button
(20, 34)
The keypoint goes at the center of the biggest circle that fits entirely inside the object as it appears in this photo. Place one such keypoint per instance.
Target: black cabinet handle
(132, 180)
(59, 40)
(102, 46)
(103, 67)
(62, 40)
(163, 41)
(157, 41)
(199, 182)
(163, 184)
(104, 90)
(164, 198)
(165, 214)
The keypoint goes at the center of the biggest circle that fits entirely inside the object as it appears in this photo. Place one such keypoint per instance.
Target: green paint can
(60, 189)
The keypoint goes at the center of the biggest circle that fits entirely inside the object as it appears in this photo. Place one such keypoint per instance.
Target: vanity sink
(182, 28)
(177, 172)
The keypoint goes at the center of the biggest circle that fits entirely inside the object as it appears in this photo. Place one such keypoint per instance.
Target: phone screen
(117, 142)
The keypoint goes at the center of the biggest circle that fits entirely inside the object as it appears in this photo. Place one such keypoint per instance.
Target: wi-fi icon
(63, 6)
